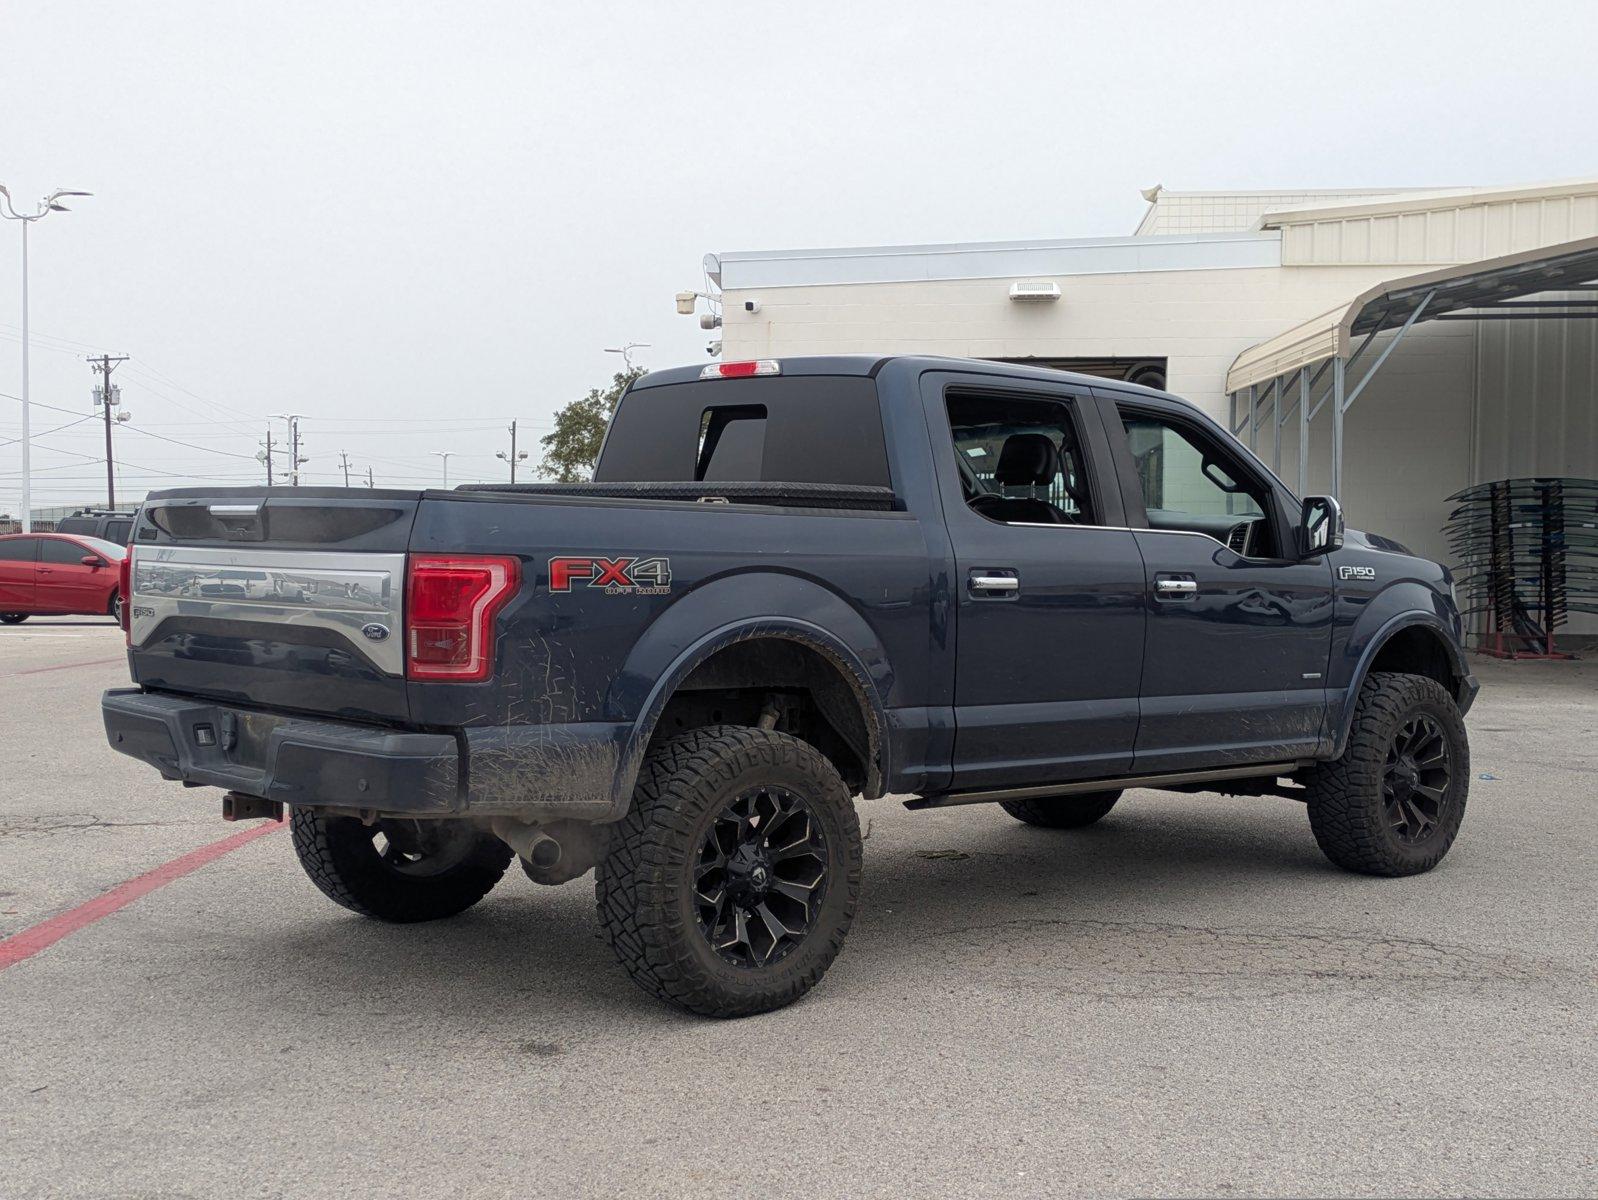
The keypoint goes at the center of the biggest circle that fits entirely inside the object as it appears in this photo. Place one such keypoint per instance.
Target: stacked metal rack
(1527, 557)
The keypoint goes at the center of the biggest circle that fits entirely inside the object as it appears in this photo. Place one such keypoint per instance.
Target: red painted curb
(47, 933)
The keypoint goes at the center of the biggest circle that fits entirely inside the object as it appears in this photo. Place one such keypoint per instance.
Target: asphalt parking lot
(1185, 999)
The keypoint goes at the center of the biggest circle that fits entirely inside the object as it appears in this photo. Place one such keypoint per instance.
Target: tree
(572, 448)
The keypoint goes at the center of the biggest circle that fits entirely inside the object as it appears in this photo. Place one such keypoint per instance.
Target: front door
(1239, 629)
(65, 583)
(1049, 617)
(17, 568)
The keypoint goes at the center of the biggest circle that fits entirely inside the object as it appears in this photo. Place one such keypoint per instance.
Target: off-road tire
(1347, 809)
(645, 885)
(339, 855)
(1062, 812)
(13, 618)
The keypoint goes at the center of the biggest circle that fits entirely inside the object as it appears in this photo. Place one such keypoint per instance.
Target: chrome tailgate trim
(356, 595)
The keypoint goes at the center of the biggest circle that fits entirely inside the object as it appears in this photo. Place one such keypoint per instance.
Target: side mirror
(92, 560)
(1320, 526)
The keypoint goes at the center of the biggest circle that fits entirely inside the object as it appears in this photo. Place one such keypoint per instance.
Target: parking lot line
(45, 934)
(96, 662)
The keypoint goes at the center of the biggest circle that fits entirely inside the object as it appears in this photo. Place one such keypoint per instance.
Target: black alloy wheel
(760, 877)
(1415, 779)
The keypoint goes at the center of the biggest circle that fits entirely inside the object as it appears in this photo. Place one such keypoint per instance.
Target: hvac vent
(1034, 291)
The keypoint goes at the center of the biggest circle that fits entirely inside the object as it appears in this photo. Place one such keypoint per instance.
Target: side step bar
(1170, 779)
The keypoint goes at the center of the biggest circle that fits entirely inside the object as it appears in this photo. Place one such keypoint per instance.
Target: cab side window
(1192, 485)
(1020, 459)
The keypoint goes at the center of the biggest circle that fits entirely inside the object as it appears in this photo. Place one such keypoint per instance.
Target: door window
(19, 549)
(57, 551)
(1020, 459)
(1194, 485)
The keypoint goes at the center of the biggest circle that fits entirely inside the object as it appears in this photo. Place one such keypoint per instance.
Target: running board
(1043, 790)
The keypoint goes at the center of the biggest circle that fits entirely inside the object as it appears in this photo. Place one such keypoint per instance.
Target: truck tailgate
(282, 601)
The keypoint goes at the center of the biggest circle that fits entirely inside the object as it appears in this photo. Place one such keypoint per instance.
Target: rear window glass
(18, 549)
(796, 429)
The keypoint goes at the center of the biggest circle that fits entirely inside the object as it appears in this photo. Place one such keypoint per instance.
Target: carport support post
(1338, 368)
(1253, 400)
(1303, 429)
(1276, 426)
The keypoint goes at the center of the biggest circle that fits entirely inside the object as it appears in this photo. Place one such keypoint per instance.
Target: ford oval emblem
(375, 632)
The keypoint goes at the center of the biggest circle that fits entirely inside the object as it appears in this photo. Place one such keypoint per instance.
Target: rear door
(1049, 617)
(66, 584)
(1239, 628)
(17, 565)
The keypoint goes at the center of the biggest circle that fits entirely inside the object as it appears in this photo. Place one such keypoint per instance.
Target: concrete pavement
(1185, 999)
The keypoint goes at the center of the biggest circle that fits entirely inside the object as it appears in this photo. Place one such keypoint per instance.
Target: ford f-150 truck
(791, 583)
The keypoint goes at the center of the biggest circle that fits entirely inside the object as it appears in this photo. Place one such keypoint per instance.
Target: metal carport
(1271, 383)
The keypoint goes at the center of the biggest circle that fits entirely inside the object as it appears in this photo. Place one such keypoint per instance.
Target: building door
(1049, 612)
(1239, 630)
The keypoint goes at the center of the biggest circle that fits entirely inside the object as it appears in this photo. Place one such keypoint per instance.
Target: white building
(1483, 296)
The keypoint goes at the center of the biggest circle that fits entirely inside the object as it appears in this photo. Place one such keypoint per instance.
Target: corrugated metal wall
(1441, 235)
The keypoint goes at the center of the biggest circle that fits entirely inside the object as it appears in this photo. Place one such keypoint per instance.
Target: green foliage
(572, 447)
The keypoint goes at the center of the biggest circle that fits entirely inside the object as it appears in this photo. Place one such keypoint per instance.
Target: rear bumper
(531, 772)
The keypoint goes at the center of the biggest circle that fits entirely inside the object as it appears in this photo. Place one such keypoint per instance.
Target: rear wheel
(398, 870)
(13, 618)
(114, 609)
(1392, 804)
(1062, 812)
(731, 883)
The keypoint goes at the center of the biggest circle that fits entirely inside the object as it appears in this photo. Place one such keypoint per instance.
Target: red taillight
(450, 604)
(742, 370)
(125, 590)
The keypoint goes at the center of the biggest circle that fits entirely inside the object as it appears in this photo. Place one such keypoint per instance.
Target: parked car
(53, 573)
(108, 524)
(793, 583)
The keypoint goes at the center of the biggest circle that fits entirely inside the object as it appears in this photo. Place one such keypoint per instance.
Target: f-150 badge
(1356, 572)
(614, 576)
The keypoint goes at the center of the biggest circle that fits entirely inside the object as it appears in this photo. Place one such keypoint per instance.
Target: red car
(58, 573)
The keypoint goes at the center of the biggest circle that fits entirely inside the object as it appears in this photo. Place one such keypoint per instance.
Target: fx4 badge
(1356, 572)
(615, 576)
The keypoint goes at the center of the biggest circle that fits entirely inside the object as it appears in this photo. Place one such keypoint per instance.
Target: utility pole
(344, 461)
(110, 397)
(296, 460)
(513, 457)
(265, 456)
(369, 481)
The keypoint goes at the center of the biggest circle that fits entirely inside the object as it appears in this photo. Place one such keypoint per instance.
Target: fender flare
(1384, 634)
(854, 666)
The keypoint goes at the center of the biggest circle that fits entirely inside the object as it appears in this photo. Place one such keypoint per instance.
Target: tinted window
(817, 429)
(18, 549)
(118, 531)
(1020, 459)
(56, 550)
(733, 444)
(76, 525)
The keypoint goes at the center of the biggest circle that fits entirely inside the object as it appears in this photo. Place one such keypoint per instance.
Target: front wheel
(398, 870)
(1392, 804)
(13, 618)
(731, 883)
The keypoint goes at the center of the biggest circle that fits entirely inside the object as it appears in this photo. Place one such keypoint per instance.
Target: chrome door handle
(1175, 589)
(995, 583)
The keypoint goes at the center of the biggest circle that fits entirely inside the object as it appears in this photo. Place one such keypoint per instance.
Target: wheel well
(1417, 650)
(790, 686)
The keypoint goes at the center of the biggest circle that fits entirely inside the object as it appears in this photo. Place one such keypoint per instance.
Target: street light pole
(8, 210)
(444, 454)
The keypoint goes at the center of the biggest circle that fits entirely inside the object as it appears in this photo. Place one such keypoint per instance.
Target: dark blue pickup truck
(790, 584)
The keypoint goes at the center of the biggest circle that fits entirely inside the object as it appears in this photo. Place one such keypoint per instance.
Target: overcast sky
(412, 222)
